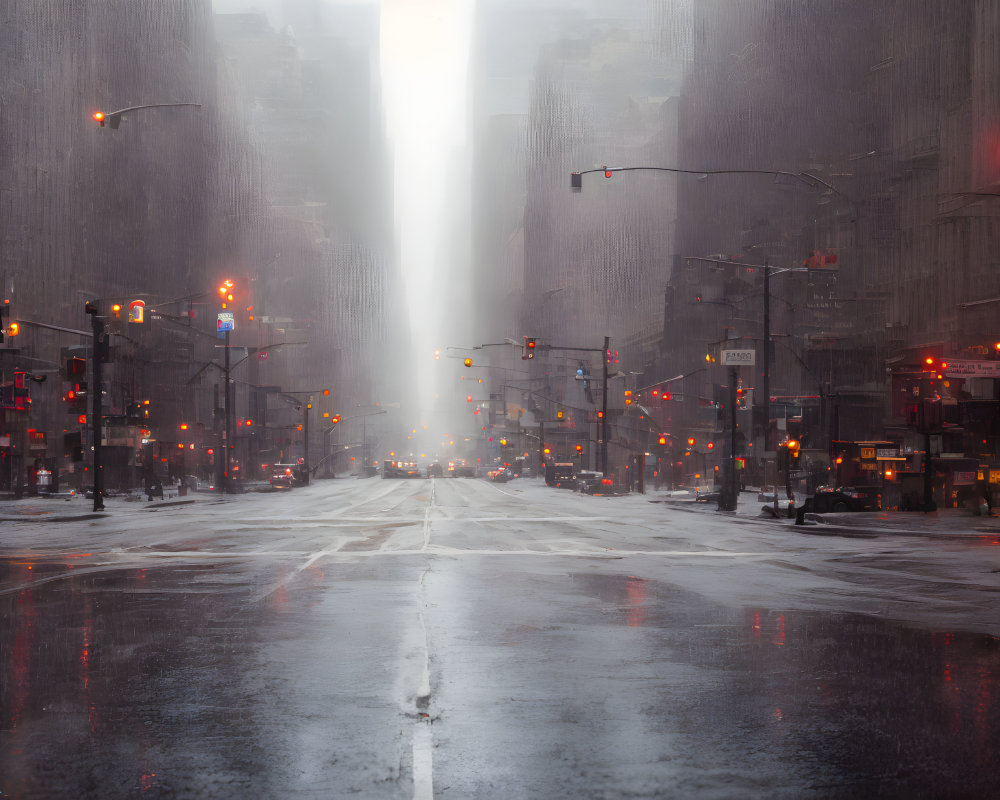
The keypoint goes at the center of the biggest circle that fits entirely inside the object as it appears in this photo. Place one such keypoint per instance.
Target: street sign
(226, 322)
(967, 368)
(737, 358)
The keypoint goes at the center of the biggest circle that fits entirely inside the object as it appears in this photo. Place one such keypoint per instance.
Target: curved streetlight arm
(576, 178)
(115, 117)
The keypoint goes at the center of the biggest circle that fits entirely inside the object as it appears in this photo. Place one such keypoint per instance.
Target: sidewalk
(64, 507)
(945, 521)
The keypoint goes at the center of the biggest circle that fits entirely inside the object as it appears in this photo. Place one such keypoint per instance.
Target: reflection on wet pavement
(890, 709)
(231, 680)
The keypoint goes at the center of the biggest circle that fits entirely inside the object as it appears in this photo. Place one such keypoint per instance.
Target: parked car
(589, 481)
(845, 498)
(706, 495)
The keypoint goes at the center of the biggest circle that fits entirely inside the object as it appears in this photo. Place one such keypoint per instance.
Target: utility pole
(97, 326)
(604, 408)
(765, 382)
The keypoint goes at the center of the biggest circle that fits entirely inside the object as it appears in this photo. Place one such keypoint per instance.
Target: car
(282, 476)
(561, 475)
(435, 470)
(705, 495)
(845, 498)
(502, 475)
(589, 481)
(460, 468)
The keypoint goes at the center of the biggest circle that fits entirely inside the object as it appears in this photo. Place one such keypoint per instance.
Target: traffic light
(628, 397)
(335, 419)
(710, 446)
(662, 440)
(793, 450)
(528, 348)
(468, 362)
(935, 366)
(113, 119)
(579, 448)
(226, 292)
(76, 398)
(691, 441)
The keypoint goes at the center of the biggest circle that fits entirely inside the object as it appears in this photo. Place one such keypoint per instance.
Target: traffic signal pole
(97, 327)
(604, 392)
(604, 409)
(228, 412)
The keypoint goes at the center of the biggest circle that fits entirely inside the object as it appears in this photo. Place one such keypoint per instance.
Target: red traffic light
(335, 419)
(710, 446)
(468, 398)
(82, 419)
(662, 440)
(579, 448)
(691, 441)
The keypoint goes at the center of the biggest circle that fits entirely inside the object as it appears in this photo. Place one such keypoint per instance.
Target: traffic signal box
(22, 402)
(76, 398)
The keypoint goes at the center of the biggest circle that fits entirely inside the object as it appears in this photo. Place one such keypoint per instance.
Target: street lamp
(807, 178)
(114, 118)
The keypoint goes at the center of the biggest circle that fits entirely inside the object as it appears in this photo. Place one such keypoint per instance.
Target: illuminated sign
(137, 311)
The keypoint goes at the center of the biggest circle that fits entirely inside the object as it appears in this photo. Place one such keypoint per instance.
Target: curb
(62, 518)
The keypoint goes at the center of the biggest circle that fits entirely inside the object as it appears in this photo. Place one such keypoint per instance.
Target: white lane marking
(423, 738)
(423, 766)
(427, 515)
(425, 678)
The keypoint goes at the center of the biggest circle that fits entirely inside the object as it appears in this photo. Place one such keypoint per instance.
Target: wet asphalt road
(456, 639)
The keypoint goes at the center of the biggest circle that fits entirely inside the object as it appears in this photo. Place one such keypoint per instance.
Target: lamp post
(806, 178)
